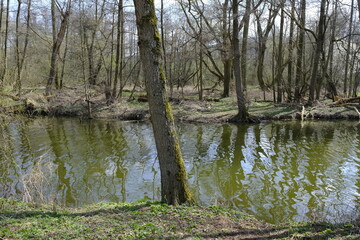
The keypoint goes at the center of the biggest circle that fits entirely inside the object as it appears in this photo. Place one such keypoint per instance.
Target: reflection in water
(275, 171)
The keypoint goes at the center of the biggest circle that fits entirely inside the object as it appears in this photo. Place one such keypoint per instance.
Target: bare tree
(21, 53)
(262, 35)
(57, 40)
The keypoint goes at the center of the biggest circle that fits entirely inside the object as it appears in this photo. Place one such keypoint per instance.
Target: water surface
(276, 171)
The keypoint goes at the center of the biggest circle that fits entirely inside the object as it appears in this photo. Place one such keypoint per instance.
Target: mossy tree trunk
(174, 186)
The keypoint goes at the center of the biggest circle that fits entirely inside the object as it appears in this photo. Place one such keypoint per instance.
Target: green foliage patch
(151, 220)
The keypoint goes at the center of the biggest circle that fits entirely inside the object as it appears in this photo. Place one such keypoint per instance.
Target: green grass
(151, 220)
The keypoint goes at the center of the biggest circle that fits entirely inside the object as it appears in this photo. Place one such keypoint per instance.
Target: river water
(276, 171)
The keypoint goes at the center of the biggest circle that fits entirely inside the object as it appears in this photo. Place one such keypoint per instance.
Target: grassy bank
(186, 108)
(151, 220)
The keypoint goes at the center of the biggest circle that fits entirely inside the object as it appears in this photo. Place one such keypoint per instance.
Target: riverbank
(186, 107)
(152, 220)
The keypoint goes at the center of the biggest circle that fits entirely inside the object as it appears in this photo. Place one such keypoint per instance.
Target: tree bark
(318, 50)
(291, 50)
(262, 39)
(244, 45)
(226, 55)
(242, 115)
(279, 65)
(348, 52)
(56, 45)
(20, 59)
(3, 67)
(299, 77)
(174, 186)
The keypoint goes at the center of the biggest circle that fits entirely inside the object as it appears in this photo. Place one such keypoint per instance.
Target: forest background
(292, 51)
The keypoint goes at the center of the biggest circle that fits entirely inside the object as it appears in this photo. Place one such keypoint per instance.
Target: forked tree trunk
(58, 39)
(174, 186)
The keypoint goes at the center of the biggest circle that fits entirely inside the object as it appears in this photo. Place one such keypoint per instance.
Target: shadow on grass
(306, 231)
(55, 214)
(237, 231)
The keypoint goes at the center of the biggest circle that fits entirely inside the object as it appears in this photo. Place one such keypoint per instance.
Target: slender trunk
(273, 59)
(3, 68)
(118, 52)
(300, 52)
(318, 50)
(242, 115)
(262, 39)
(291, 50)
(226, 50)
(56, 46)
(279, 67)
(17, 46)
(21, 53)
(201, 59)
(348, 48)
(174, 185)
(109, 75)
(244, 45)
(163, 38)
(64, 60)
(330, 61)
(351, 77)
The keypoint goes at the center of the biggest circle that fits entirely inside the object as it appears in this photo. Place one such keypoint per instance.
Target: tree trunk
(61, 80)
(244, 45)
(226, 50)
(242, 115)
(331, 86)
(300, 52)
(3, 67)
(56, 45)
(174, 186)
(318, 50)
(262, 39)
(201, 60)
(20, 59)
(348, 52)
(117, 53)
(279, 65)
(291, 50)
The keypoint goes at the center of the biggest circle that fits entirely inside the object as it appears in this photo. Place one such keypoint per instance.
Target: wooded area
(300, 51)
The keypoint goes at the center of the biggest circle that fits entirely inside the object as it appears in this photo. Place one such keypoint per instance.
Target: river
(277, 171)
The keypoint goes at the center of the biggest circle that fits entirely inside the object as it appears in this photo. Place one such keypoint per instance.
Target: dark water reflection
(275, 171)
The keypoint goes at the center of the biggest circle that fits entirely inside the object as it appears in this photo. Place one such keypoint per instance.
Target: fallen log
(345, 100)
